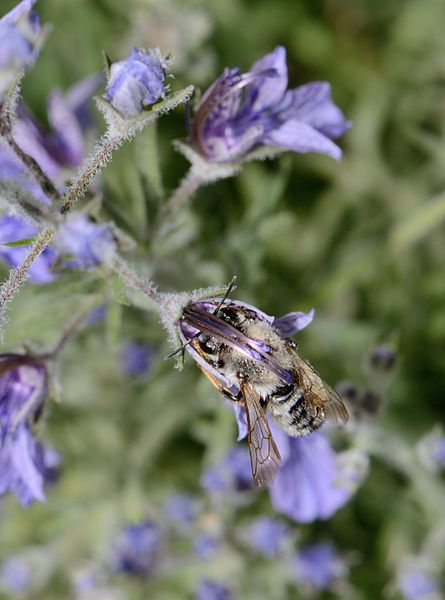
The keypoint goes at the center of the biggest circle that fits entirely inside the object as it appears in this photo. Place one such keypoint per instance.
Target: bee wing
(319, 393)
(264, 455)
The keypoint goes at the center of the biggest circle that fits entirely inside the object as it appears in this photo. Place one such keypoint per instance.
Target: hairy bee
(250, 362)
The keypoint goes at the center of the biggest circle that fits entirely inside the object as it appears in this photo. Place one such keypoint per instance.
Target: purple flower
(136, 359)
(210, 590)
(312, 483)
(242, 111)
(137, 82)
(16, 228)
(69, 117)
(417, 584)
(86, 242)
(24, 462)
(232, 473)
(137, 549)
(19, 35)
(318, 565)
(205, 547)
(268, 536)
(180, 510)
(16, 576)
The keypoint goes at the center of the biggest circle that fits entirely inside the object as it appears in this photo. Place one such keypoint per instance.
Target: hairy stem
(18, 275)
(91, 166)
(149, 289)
(188, 186)
(32, 165)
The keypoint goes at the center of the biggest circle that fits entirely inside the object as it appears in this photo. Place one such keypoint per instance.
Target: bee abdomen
(295, 414)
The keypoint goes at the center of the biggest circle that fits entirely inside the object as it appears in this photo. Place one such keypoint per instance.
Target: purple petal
(79, 95)
(319, 565)
(211, 590)
(301, 137)
(293, 322)
(417, 584)
(306, 487)
(14, 15)
(67, 138)
(21, 471)
(312, 104)
(267, 91)
(137, 549)
(268, 536)
(88, 243)
(241, 419)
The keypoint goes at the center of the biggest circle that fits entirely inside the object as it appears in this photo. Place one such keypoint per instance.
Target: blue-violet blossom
(86, 243)
(211, 590)
(242, 111)
(231, 473)
(312, 482)
(137, 81)
(137, 549)
(19, 35)
(136, 359)
(267, 536)
(416, 583)
(318, 565)
(23, 460)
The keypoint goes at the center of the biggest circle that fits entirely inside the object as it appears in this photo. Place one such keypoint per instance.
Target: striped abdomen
(293, 412)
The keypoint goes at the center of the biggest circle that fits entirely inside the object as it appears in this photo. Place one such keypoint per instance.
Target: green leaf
(23, 242)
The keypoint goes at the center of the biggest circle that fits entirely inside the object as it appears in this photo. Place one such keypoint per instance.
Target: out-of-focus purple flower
(242, 111)
(318, 565)
(137, 550)
(268, 536)
(19, 35)
(16, 576)
(13, 229)
(137, 82)
(69, 117)
(211, 590)
(86, 242)
(136, 359)
(24, 462)
(205, 547)
(311, 483)
(431, 449)
(415, 583)
(181, 510)
(232, 473)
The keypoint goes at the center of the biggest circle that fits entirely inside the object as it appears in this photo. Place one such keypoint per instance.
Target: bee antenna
(230, 287)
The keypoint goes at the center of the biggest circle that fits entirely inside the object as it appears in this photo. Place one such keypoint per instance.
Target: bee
(248, 361)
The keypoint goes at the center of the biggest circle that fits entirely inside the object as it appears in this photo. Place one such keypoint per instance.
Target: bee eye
(207, 345)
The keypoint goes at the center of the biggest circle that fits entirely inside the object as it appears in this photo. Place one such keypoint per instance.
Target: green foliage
(362, 241)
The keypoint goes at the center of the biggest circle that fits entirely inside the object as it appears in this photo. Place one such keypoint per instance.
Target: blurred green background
(362, 241)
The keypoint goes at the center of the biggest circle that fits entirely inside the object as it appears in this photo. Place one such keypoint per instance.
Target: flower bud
(137, 82)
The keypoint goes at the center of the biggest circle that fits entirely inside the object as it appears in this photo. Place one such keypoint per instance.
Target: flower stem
(149, 289)
(91, 166)
(19, 275)
(32, 165)
(70, 331)
(188, 186)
